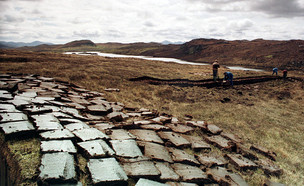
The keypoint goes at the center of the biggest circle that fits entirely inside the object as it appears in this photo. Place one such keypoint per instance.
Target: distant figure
(284, 74)
(275, 70)
(215, 67)
(228, 76)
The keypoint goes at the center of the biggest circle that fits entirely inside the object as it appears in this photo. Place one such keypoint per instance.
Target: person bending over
(229, 77)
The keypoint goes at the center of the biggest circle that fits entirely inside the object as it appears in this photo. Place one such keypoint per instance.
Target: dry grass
(269, 114)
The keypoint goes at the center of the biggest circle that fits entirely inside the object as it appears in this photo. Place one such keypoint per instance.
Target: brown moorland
(269, 114)
(258, 53)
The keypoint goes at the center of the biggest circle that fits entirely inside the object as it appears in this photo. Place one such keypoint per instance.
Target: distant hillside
(4, 44)
(79, 43)
(258, 53)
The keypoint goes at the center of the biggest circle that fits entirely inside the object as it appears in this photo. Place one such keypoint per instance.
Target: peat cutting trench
(209, 83)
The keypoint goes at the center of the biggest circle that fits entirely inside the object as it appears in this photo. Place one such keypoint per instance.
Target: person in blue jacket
(275, 71)
(228, 76)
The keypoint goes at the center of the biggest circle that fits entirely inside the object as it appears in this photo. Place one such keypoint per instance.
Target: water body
(173, 60)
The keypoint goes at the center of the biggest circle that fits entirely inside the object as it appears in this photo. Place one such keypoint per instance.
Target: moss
(269, 56)
(27, 153)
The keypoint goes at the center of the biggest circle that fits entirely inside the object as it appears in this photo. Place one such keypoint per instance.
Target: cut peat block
(220, 142)
(156, 152)
(141, 169)
(262, 150)
(240, 162)
(57, 168)
(107, 171)
(190, 173)
(225, 177)
(174, 139)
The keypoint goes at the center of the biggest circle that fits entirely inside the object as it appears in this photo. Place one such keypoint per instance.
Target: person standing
(215, 67)
(275, 71)
(229, 77)
(284, 74)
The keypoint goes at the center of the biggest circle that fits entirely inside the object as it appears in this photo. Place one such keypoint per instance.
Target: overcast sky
(61, 21)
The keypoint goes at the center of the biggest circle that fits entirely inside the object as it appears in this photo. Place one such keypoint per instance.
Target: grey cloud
(10, 18)
(86, 34)
(78, 20)
(274, 8)
(114, 34)
(223, 5)
(22, 0)
(182, 18)
(63, 37)
(176, 34)
(36, 11)
(28, 12)
(221, 1)
(218, 1)
(149, 24)
(279, 8)
(3, 6)
(241, 25)
(217, 35)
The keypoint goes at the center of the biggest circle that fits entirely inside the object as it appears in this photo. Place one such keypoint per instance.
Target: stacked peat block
(119, 142)
(59, 114)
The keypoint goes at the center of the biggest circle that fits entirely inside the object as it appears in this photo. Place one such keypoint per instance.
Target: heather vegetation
(257, 53)
(269, 114)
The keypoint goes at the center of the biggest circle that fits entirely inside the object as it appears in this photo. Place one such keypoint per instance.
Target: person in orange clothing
(284, 74)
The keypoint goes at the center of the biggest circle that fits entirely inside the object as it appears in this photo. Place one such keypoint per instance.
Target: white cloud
(86, 34)
(240, 25)
(132, 21)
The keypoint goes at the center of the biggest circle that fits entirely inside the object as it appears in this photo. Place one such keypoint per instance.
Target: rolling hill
(257, 53)
(4, 44)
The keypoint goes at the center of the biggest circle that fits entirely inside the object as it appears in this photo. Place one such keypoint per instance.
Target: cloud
(274, 8)
(145, 20)
(222, 5)
(279, 8)
(149, 24)
(86, 34)
(30, 0)
(12, 18)
(215, 1)
(241, 25)
(114, 35)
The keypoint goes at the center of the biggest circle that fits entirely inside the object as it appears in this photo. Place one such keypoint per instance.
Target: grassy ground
(269, 114)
